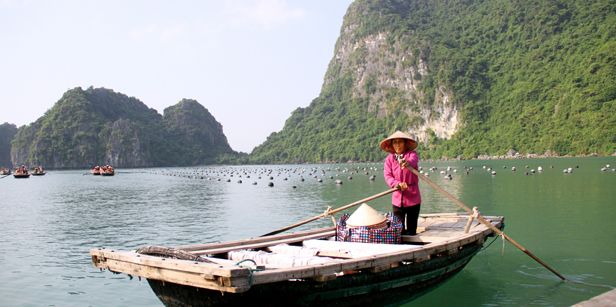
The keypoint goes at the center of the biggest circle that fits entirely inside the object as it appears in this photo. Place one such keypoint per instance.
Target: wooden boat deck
(603, 300)
(439, 234)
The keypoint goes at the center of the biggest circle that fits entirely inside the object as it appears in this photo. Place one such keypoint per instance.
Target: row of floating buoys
(241, 175)
(226, 174)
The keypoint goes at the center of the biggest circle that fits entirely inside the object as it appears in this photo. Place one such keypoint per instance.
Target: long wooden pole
(484, 221)
(330, 212)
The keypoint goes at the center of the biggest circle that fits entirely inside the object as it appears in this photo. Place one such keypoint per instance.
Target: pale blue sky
(250, 63)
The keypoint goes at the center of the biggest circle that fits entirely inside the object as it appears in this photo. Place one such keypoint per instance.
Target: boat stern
(222, 277)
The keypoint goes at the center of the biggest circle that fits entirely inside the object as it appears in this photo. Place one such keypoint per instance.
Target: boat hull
(393, 286)
(345, 273)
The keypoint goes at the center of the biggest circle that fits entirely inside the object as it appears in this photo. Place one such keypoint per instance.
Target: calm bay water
(48, 225)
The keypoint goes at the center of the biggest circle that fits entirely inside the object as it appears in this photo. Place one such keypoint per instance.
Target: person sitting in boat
(407, 200)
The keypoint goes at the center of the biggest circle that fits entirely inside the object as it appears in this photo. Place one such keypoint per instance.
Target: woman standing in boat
(407, 200)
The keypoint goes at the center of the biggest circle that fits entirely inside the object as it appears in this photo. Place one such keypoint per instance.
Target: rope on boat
(502, 235)
(247, 260)
(327, 211)
(250, 269)
(494, 240)
(486, 247)
(169, 252)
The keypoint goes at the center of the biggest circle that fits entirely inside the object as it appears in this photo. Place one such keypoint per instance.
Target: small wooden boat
(107, 170)
(305, 268)
(5, 171)
(38, 171)
(21, 172)
(96, 170)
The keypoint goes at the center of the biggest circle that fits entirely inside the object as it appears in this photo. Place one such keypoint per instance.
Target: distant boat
(107, 170)
(96, 170)
(21, 172)
(304, 268)
(38, 171)
(5, 171)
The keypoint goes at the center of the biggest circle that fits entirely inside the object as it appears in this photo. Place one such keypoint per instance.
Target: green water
(49, 223)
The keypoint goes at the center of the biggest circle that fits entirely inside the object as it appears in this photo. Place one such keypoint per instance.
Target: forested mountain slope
(100, 126)
(7, 132)
(466, 77)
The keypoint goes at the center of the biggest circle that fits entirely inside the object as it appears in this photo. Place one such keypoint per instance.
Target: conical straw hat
(365, 216)
(386, 145)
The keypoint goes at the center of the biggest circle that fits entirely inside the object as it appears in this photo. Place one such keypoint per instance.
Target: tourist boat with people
(357, 263)
(21, 172)
(95, 170)
(107, 170)
(5, 171)
(38, 171)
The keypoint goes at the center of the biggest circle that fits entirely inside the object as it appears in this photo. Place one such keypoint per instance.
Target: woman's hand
(404, 163)
(403, 186)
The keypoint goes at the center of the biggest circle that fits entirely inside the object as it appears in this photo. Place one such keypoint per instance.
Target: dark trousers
(409, 217)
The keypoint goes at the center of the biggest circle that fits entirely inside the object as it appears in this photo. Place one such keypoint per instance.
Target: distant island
(468, 79)
(99, 126)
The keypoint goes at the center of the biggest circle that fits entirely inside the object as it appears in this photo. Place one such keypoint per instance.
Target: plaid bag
(392, 234)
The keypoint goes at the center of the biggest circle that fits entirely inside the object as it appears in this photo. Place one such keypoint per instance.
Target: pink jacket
(394, 174)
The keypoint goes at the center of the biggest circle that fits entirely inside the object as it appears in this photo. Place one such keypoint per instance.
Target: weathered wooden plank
(101, 257)
(603, 300)
(235, 285)
(423, 239)
(381, 268)
(220, 250)
(334, 254)
(435, 215)
(198, 247)
(325, 278)
(357, 249)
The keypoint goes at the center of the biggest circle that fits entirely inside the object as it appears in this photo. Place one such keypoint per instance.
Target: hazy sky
(250, 62)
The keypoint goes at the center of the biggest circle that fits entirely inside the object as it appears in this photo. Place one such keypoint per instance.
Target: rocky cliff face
(465, 77)
(387, 65)
(199, 136)
(379, 80)
(124, 146)
(99, 126)
(7, 132)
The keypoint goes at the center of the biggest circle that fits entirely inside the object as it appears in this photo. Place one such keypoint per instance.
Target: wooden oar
(5, 176)
(484, 221)
(330, 212)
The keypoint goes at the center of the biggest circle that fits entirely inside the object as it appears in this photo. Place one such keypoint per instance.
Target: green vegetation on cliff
(197, 135)
(530, 76)
(99, 126)
(7, 132)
